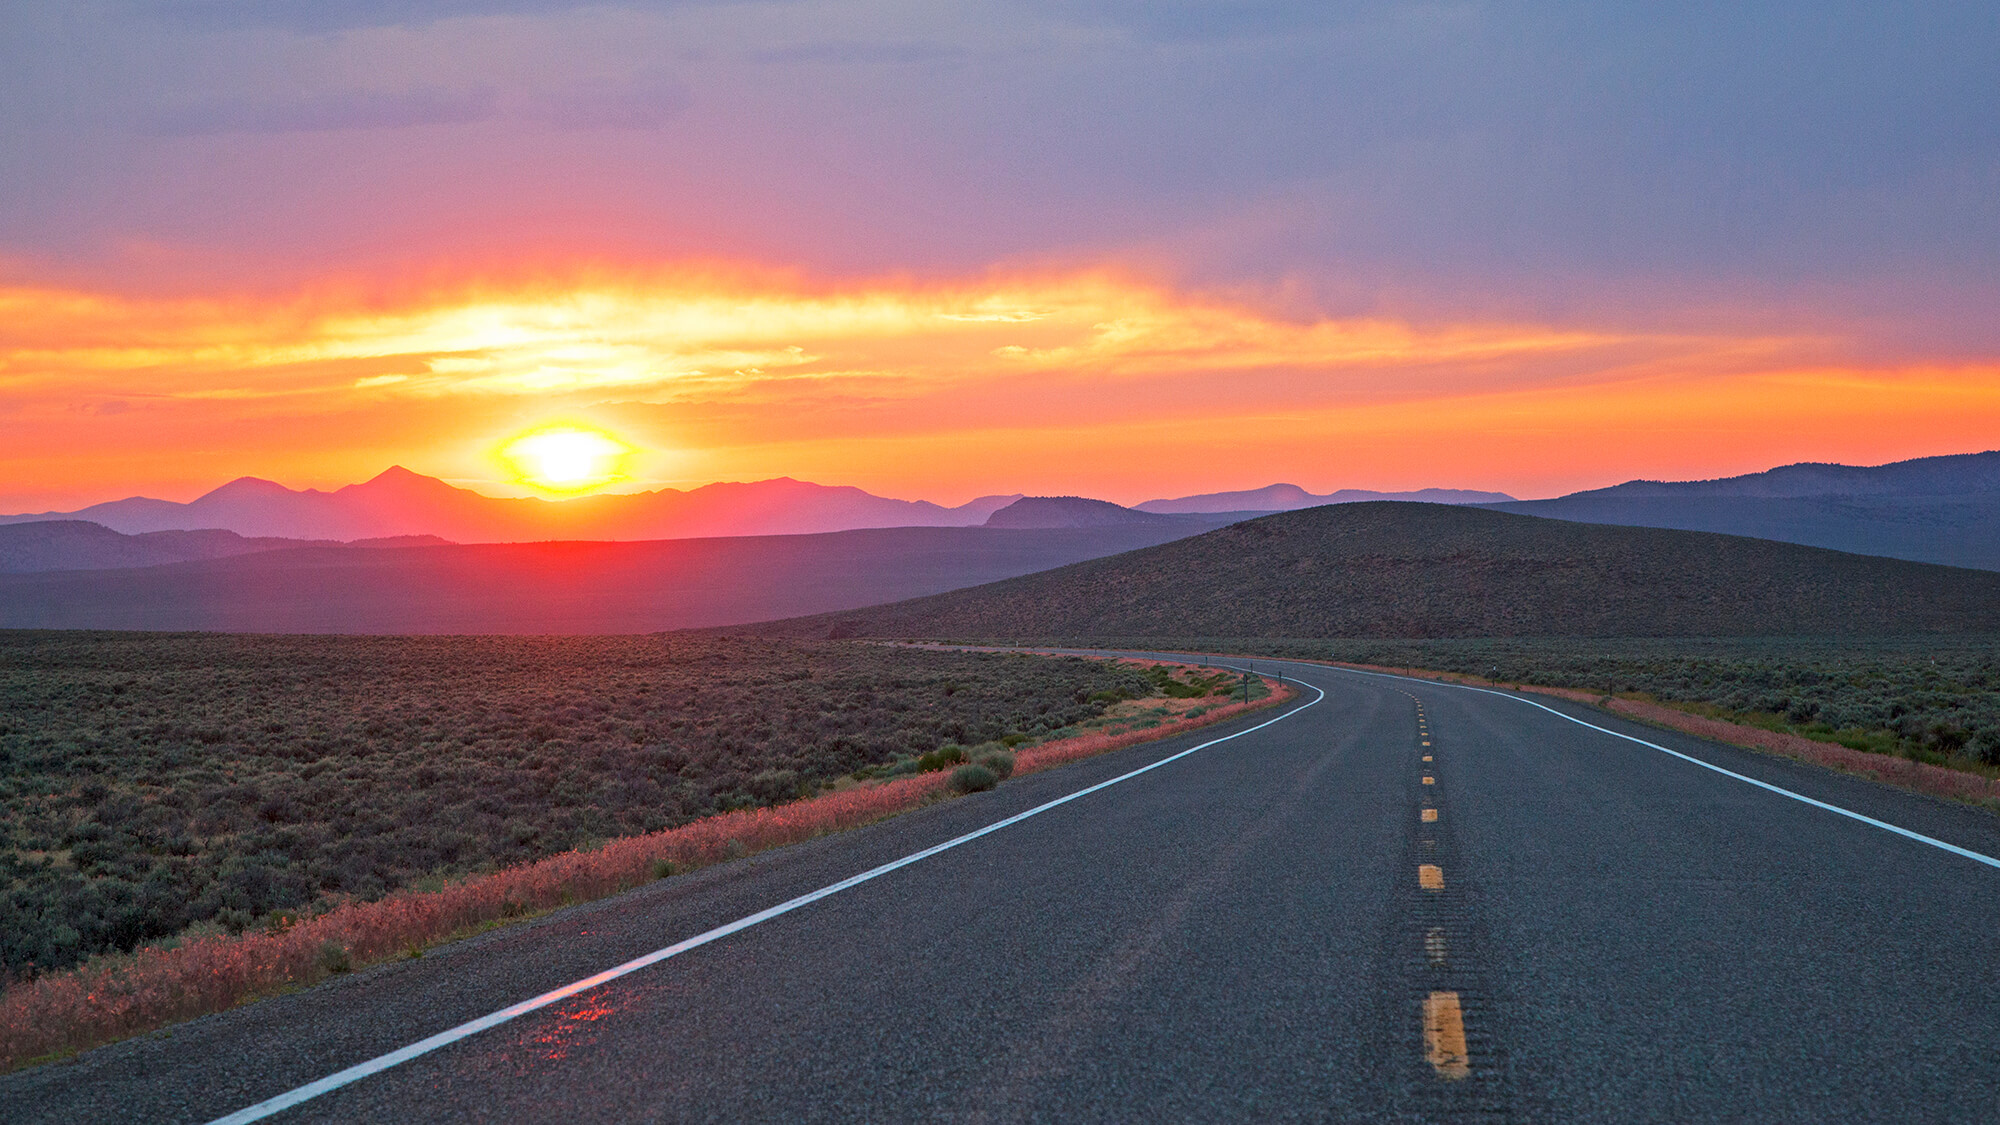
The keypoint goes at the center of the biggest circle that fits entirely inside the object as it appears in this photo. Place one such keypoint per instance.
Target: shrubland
(209, 969)
(1930, 699)
(153, 785)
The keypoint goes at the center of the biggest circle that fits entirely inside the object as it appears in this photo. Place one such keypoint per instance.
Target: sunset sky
(1125, 248)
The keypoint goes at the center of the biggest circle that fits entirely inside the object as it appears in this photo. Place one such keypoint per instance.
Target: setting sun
(566, 458)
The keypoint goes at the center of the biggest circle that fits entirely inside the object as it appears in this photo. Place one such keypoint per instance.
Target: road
(1588, 930)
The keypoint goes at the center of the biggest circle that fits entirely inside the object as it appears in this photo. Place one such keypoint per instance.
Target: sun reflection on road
(556, 1038)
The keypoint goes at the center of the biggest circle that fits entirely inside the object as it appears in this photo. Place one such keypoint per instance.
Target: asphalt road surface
(1269, 928)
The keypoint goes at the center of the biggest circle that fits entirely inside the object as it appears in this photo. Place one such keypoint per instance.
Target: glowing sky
(1123, 248)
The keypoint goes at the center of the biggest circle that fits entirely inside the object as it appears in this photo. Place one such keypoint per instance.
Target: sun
(566, 459)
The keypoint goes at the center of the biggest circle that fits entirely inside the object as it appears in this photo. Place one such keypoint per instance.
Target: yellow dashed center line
(1444, 1036)
(1444, 1016)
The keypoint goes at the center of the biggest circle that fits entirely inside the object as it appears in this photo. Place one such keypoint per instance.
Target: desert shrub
(950, 754)
(973, 779)
(995, 757)
(334, 958)
(1192, 686)
(773, 786)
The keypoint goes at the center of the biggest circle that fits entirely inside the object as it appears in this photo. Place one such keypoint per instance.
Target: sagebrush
(149, 783)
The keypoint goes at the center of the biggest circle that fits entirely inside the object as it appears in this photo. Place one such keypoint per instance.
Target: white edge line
(1976, 857)
(381, 1063)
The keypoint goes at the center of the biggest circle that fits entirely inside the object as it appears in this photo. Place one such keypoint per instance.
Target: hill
(560, 587)
(82, 545)
(1072, 511)
(27, 548)
(1934, 509)
(398, 502)
(1422, 570)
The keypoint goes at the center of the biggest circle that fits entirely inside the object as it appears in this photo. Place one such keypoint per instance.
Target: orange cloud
(1078, 381)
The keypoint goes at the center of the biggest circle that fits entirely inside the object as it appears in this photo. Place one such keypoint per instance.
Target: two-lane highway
(1406, 901)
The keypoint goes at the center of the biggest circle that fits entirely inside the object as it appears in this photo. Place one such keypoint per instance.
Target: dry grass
(1051, 754)
(1920, 777)
(113, 998)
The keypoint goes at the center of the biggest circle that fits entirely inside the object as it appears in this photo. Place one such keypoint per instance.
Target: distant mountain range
(1933, 509)
(1371, 569)
(400, 502)
(1958, 474)
(67, 544)
(1067, 565)
(1426, 570)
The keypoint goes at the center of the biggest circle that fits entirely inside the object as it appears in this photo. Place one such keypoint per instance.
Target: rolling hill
(1422, 570)
(1077, 511)
(81, 545)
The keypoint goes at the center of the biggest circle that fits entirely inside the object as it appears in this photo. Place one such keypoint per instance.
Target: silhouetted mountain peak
(247, 488)
(777, 484)
(398, 481)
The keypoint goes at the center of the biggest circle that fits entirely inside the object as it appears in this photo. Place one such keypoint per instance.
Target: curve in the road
(1250, 935)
